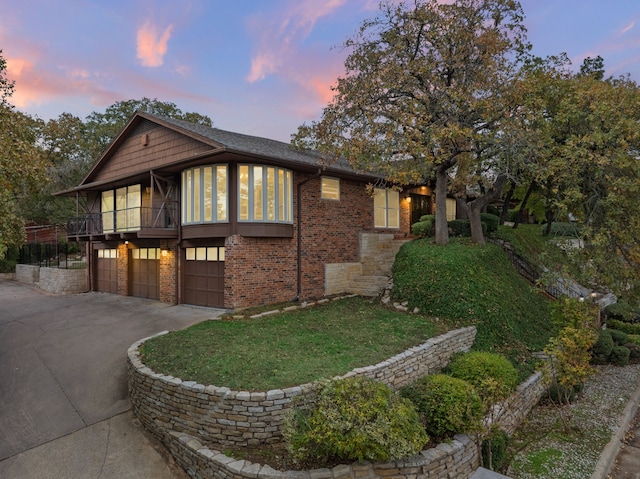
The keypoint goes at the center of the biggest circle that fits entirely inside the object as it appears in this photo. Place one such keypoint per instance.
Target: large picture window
(204, 195)
(265, 194)
(121, 209)
(386, 206)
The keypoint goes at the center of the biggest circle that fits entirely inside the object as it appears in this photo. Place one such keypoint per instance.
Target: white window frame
(386, 205)
(205, 253)
(330, 188)
(265, 194)
(205, 195)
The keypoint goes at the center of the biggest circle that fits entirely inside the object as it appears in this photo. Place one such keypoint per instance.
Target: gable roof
(222, 141)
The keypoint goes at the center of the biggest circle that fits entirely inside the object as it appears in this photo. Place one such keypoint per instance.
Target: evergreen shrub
(491, 220)
(620, 338)
(478, 367)
(498, 442)
(447, 405)
(355, 419)
(619, 356)
(629, 328)
(462, 228)
(601, 350)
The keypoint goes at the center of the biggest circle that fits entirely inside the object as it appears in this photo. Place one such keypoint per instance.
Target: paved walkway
(64, 408)
(627, 464)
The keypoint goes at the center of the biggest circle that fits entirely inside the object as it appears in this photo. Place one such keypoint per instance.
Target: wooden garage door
(145, 273)
(107, 271)
(204, 276)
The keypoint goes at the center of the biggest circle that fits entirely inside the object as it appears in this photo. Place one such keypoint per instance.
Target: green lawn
(456, 285)
(287, 349)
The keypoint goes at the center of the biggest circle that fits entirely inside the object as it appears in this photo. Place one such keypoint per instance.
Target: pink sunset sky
(260, 67)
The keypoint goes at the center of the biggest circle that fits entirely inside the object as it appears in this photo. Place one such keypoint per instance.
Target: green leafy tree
(22, 164)
(424, 92)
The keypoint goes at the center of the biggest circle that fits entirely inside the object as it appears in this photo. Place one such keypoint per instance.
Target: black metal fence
(53, 255)
(536, 275)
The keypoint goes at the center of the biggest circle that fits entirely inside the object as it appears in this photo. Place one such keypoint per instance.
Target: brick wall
(123, 269)
(168, 274)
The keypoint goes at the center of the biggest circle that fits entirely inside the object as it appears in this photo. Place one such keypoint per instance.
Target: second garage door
(204, 276)
(145, 273)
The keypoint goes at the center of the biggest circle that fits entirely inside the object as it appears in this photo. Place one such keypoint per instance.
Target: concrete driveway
(64, 410)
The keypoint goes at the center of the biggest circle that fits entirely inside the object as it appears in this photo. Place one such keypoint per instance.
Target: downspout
(299, 225)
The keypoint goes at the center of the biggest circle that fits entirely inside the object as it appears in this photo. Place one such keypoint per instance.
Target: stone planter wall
(53, 280)
(184, 415)
(220, 415)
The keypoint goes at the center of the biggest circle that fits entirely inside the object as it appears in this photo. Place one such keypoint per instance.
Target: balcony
(142, 222)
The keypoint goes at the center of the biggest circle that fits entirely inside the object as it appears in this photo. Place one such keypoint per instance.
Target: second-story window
(204, 195)
(265, 194)
(121, 209)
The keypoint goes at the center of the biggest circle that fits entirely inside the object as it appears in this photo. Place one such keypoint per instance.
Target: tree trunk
(505, 204)
(523, 205)
(475, 207)
(442, 230)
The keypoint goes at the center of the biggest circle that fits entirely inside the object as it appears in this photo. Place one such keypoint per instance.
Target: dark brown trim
(265, 230)
(217, 230)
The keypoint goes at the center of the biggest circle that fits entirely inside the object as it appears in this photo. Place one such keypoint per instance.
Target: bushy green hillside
(462, 283)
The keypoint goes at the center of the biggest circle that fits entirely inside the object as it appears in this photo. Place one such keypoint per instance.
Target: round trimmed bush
(620, 338)
(447, 405)
(619, 356)
(601, 350)
(422, 228)
(492, 221)
(634, 352)
(480, 368)
(355, 419)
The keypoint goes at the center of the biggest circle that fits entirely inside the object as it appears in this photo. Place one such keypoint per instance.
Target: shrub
(478, 368)
(447, 405)
(634, 339)
(494, 210)
(619, 356)
(431, 218)
(494, 450)
(634, 352)
(619, 311)
(601, 350)
(491, 220)
(559, 394)
(7, 266)
(463, 228)
(620, 338)
(355, 419)
(629, 328)
(423, 228)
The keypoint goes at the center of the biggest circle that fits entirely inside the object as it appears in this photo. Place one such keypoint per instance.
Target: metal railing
(52, 255)
(131, 219)
(538, 276)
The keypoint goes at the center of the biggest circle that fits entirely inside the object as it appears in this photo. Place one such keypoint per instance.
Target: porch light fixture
(408, 198)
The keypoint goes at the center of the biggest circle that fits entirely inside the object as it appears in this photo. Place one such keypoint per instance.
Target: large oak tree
(424, 92)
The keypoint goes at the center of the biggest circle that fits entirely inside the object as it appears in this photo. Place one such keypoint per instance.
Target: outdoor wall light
(164, 253)
(408, 198)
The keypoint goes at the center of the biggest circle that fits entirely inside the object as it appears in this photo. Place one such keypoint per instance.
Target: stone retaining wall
(242, 418)
(184, 415)
(53, 280)
(457, 459)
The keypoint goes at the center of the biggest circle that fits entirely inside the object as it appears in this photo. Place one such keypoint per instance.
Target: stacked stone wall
(53, 280)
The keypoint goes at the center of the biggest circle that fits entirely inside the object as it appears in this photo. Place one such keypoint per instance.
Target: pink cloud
(280, 39)
(152, 46)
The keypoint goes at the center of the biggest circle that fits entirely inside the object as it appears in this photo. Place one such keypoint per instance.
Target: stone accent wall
(53, 280)
(338, 277)
(378, 253)
(218, 414)
(27, 274)
(457, 459)
(180, 414)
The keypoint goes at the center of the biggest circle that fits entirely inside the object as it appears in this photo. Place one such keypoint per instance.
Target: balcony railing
(163, 217)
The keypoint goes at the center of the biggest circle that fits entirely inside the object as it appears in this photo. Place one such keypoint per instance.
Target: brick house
(185, 213)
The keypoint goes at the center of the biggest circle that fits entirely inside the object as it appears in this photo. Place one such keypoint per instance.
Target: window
(265, 194)
(145, 253)
(451, 209)
(386, 208)
(330, 188)
(205, 253)
(204, 195)
(121, 209)
(108, 253)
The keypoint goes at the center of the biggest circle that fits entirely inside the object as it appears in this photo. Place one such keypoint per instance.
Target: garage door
(204, 276)
(107, 271)
(145, 273)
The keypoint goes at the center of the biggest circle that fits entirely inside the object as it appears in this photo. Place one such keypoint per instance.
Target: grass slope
(466, 284)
